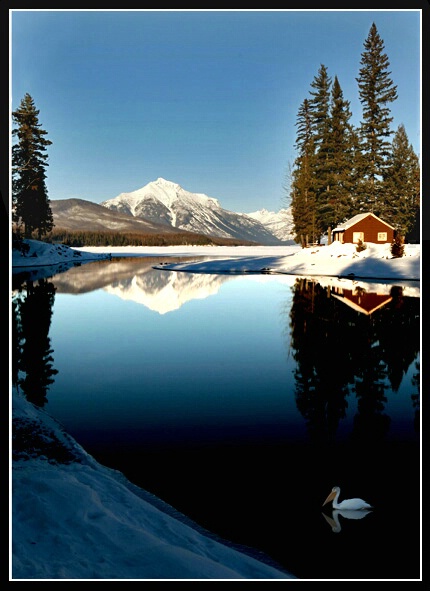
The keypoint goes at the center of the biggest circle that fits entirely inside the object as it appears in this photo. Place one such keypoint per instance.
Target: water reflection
(135, 280)
(209, 391)
(345, 339)
(334, 521)
(32, 360)
(366, 348)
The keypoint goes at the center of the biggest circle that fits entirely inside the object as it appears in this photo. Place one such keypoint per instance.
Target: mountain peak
(163, 182)
(165, 202)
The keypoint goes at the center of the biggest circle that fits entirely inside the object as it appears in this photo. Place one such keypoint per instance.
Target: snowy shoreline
(339, 260)
(336, 260)
(73, 518)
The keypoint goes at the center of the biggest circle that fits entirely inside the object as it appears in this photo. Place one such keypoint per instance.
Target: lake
(241, 400)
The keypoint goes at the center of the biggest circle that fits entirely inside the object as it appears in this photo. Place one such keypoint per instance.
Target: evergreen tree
(358, 194)
(30, 203)
(302, 186)
(320, 109)
(376, 91)
(402, 184)
(320, 106)
(335, 199)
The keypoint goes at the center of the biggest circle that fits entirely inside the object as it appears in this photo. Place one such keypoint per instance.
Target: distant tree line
(78, 238)
(341, 170)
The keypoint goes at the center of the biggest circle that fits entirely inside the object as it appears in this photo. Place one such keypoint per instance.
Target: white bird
(347, 504)
(334, 522)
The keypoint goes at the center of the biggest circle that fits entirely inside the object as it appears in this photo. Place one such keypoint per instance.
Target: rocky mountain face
(163, 207)
(83, 215)
(167, 203)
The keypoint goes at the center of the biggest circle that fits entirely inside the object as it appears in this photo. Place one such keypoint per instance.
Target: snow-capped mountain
(167, 203)
(280, 223)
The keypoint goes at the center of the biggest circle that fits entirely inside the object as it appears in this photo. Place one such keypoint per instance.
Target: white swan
(334, 522)
(347, 504)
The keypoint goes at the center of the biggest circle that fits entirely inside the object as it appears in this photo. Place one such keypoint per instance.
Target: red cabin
(364, 227)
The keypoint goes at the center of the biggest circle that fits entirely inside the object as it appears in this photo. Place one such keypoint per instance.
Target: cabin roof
(367, 303)
(357, 218)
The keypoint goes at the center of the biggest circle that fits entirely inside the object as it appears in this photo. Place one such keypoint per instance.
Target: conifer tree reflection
(398, 330)
(16, 339)
(370, 422)
(32, 366)
(393, 345)
(323, 368)
(340, 350)
(416, 397)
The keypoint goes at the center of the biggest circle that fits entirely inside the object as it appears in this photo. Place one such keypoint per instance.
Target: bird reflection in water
(334, 521)
(349, 509)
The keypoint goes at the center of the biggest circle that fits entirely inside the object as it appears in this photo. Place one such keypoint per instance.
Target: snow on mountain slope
(167, 203)
(280, 223)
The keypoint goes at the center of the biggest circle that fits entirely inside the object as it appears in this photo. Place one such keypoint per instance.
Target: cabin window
(382, 236)
(357, 236)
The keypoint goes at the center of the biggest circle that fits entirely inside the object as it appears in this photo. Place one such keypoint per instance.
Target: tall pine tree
(320, 108)
(376, 91)
(335, 200)
(302, 186)
(30, 203)
(402, 185)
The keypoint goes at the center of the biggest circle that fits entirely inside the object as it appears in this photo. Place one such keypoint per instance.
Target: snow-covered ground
(39, 254)
(335, 260)
(73, 519)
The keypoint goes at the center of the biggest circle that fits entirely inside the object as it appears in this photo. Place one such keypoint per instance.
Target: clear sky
(207, 99)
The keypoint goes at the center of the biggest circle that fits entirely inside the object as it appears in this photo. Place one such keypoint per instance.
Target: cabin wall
(369, 230)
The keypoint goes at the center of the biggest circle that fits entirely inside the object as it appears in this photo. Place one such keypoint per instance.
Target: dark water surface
(241, 401)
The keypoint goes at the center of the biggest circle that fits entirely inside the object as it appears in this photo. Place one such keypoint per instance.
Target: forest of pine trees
(341, 170)
(76, 238)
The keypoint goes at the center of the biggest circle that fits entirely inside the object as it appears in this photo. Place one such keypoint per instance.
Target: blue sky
(207, 99)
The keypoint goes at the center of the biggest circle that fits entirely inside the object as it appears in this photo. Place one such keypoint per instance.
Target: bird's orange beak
(329, 498)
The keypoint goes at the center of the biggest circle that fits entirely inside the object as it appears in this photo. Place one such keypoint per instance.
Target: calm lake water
(241, 401)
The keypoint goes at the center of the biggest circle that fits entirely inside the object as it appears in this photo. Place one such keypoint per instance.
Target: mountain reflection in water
(135, 279)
